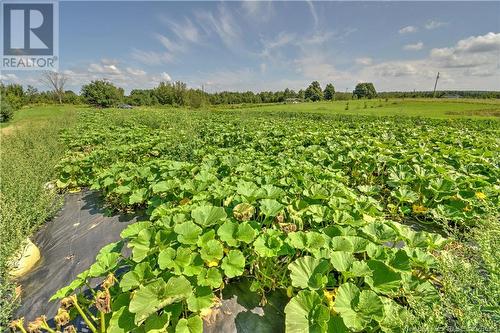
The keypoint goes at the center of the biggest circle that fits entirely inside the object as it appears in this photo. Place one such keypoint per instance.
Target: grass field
(409, 107)
(29, 150)
(269, 192)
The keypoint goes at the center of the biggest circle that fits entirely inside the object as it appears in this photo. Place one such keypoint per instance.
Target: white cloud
(321, 37)
(222, 24)
(258, 10)
(171, 46)
(472, 63)
(227, 80)
(271, 48)
(364, 61)
(186, 31)
(313, 12)
(165, 77)
(431, 25)
(414, 47)
(282, 39)
(476, 44)
(474, 51)
(104, 67)
(316, 66)
(135, 71)
(408, 29)
(152, 57)
(263, 67)
(397, 68)
(10, 77)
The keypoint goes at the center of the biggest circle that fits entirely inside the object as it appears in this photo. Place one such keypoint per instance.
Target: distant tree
(101, 93)
(12, 94)
(365, 90)
(196, 98)
(31, 94)
(314, 92)
(71, 98)
(329, 92)
(142, 97)
(56, 82)
(6, 112)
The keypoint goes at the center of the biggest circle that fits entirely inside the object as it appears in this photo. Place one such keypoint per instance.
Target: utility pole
(435, 86)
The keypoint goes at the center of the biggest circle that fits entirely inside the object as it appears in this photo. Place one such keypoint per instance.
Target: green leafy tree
(31, 94)
(70, 97)
(142, 97)
(314, 92)
(329, 92)
(13, 94)
(365, 90)
(6, 112)
(102, 93)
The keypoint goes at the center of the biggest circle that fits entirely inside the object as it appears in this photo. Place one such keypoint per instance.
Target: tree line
(102, 93)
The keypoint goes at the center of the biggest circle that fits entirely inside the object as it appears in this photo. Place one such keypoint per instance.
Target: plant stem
(48, 329)
(103, 322)
(21, 328)
(84, 316)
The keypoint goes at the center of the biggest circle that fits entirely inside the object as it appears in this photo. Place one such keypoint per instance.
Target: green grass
(29, 114)
(393, 107)
(470, 277)
(29, 148)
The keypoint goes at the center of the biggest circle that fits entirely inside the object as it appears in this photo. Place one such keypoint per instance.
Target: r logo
(28, 29)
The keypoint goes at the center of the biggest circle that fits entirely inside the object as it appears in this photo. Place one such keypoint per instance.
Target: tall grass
(28, 153)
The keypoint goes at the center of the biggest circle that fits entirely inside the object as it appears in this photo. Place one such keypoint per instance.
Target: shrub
(6, 112)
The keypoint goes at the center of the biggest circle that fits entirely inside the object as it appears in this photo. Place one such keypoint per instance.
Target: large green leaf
(134, 228)
(208, 215)
(379, 232)
(122, 320)
(245, 233)
(212, 251)
(157, 323)
(227, 232)
(156, 295)
(341, 260)
(210, 277)
(188, 232)
(306, 313)
(383, 279)
(309, 272)
(138, 196)
(202, 298)
(105, 263)
(270, 207)
(180, 261)
(141, 245)
(233, 263)
(190, 325)
(269, 244)
(134, 278)
(358, 308)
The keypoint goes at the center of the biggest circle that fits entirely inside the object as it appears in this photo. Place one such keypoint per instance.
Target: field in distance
(470, 108)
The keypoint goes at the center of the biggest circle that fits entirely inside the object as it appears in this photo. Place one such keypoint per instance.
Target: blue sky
(272, 45)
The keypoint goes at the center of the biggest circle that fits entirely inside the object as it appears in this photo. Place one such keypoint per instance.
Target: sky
(249, 45)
